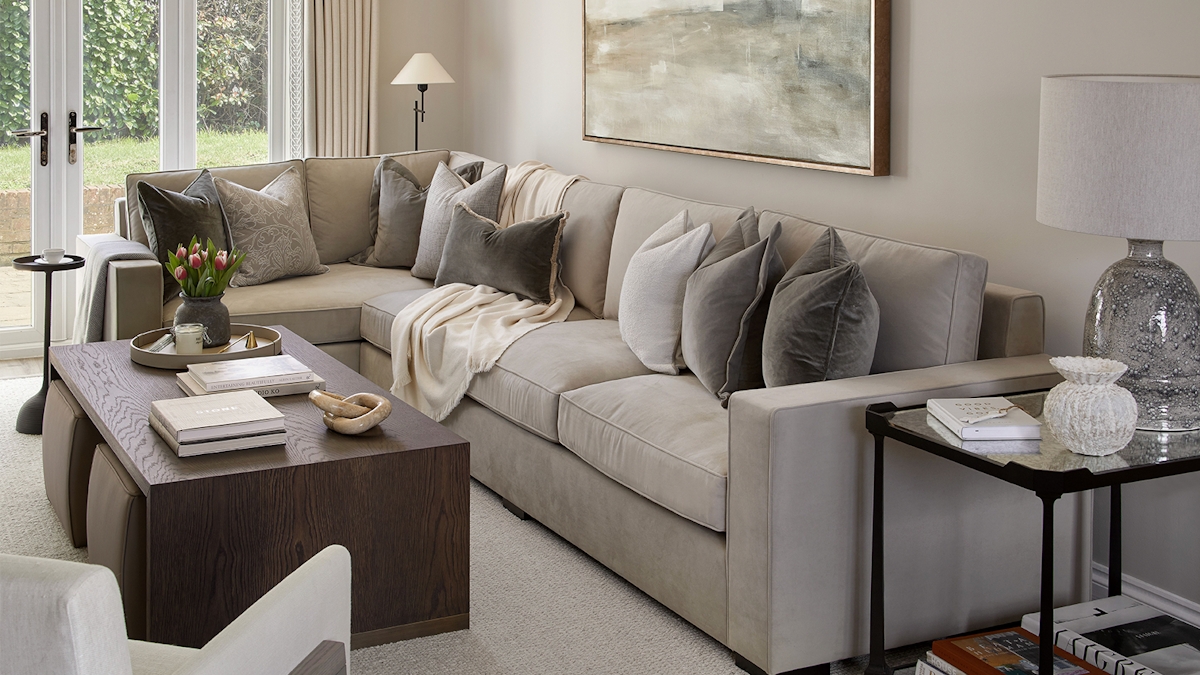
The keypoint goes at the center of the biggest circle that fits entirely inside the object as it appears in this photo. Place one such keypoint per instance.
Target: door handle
(44, 133)
(72, 138)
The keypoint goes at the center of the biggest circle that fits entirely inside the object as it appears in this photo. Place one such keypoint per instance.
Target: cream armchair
(66, 618)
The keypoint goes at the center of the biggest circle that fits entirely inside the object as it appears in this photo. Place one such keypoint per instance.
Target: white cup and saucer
(51, 256)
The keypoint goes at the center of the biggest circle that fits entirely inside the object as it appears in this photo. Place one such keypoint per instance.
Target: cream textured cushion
(270, 226)
(653, 290)
(445, 192)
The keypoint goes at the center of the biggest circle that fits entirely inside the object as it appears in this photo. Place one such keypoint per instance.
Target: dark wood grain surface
(224, 529)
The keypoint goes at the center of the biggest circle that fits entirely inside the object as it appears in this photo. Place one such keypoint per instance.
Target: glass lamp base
(1145, 313)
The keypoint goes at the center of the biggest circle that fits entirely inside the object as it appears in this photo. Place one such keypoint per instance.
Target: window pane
(120, 93)
(16, 165)
(231, 82)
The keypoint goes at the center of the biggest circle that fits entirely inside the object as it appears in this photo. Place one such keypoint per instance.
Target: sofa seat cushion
(664, 437)
(321, 309)
(524, 385)
(379, 312)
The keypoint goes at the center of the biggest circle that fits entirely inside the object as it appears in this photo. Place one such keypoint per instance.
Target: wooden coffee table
(223, 529)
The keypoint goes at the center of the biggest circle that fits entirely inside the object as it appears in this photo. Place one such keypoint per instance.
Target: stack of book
(235, 420)
(1012, 651)
(267, 375)
(990, 426)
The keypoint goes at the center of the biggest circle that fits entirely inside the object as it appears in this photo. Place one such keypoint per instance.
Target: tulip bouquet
(203, 272)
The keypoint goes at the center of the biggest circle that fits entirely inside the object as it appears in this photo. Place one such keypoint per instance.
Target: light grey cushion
(270, 226)
(725, 309)
(172, 218)
(652, 294)
(665, 438)
(823, 321)
(525, 384)
(445, 191)
(379, 312)
(521, 258)
(587, 241)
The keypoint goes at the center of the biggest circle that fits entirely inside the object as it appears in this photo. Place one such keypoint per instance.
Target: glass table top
(1146, 448)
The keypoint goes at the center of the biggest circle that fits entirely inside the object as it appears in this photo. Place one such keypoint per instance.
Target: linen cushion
(665, 438)
(587, 241)
(652, 294)
(445, 191)
(270, 226)
(173, 218)
(725, 309)
(823, 321)
(521, 258)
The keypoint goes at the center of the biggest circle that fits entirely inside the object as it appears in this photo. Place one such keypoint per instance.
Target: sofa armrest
(134, 302)
(281, 629)
(120, 218)
(1014, 322)
(963, 549)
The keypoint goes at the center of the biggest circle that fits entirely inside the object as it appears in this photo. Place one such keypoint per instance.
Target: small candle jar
(189, 338)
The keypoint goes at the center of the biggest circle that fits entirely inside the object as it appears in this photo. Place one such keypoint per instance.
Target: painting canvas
(798, 82)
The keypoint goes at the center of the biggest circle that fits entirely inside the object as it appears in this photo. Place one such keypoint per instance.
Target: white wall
(965, 89)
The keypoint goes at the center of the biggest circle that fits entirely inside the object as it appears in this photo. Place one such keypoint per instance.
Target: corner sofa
(752, 523)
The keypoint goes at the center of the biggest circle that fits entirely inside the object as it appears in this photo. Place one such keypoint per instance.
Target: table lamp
(1119, 156)
(422, 70)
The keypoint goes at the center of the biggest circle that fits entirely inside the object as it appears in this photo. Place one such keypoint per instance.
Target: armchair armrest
(962, 548)
(134, 302)
(282, 630)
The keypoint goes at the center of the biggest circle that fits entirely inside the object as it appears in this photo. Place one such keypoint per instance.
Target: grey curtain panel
(342, 48)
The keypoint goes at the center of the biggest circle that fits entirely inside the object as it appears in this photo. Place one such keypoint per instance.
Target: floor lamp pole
(419, 116)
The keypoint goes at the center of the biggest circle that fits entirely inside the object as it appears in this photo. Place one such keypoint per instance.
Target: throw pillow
(651, 317)
(521, 258)
(724, 308)
(445, 191)
(396, 210)
(823, 322)
(173, 218)
(270, 226)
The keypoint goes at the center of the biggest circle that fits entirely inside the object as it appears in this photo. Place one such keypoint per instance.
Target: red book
(1012, 651)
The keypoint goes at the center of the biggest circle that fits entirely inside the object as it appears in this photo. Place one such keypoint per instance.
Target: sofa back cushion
(587, 241)
(930, 299)
(640, 215)
(253, 176)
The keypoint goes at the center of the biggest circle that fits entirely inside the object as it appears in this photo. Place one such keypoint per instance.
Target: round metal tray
(269, 344)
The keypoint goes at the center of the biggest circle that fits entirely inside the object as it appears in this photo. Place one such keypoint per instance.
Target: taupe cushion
(587, 241)
(930, 299)
(321, 309)
(171, 219)
(725, 309)
(116, 524)
(521, 258)
(664, 437)
(823, 320)
(526, 382)
(270, 228)
(445, 191)
(69, 440)
(379, 312)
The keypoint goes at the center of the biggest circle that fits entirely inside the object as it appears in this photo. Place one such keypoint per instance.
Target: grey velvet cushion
(173, 218)
(521, 258)
(397, 208)
(445, 191)
(823, 322)
(724, 308)
(270, 226)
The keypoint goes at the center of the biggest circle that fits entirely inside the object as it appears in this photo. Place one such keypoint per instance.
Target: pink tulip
(195, 261)
(221, 261)
(180, 273)
(204, 255)
(181, 252)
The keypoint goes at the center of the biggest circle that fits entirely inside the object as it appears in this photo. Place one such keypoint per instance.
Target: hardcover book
(206, 418)
(191, 387)
(1012, 651)
(982, 419)
(250, 373)
(219, 445)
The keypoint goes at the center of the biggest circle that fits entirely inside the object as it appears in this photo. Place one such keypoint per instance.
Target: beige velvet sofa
(752, 523)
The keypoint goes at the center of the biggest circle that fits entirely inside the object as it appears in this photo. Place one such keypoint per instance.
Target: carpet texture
(538, 605)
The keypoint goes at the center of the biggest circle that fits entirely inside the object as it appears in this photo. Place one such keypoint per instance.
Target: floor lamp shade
(422, 70)
(1119, 156)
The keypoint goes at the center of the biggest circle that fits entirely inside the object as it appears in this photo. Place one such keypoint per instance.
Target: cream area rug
(538, 605)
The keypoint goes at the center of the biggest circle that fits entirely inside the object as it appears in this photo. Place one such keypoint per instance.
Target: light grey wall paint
(965, 87)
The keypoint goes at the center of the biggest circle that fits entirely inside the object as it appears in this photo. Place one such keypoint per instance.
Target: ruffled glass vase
(1089, 413)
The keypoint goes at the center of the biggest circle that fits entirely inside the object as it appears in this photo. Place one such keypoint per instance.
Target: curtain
(342, 51)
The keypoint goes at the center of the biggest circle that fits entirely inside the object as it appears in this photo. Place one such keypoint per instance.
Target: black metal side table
(1049, 470)
(29, 419)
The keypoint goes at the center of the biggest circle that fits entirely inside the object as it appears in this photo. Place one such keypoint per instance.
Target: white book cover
(191, 387)
(247, 373)
(984, 419)
(938, 663)
(202, 418)
(219, 445)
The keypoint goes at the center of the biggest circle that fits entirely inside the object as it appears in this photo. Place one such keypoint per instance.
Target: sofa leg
(513, 509)
(746, 665)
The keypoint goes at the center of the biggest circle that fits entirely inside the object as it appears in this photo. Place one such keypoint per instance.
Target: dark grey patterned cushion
(521, 258)
(270, 226)
(173, 218)
(445, 191)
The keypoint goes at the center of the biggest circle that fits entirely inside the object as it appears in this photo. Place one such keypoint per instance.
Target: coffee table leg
(29, 419)
(878, 663)
(1114, 541)
(1046, 625)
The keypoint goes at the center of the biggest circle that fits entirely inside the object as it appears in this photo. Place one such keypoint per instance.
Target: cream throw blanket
(442, 339)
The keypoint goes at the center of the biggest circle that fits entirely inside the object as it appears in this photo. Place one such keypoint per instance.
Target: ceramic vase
(210, 312)
(1089, 413)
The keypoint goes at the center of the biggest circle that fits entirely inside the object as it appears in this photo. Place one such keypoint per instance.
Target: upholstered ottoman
(116, 532)
(68, 440)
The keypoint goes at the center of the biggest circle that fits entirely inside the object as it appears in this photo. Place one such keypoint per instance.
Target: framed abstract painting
(793, 82)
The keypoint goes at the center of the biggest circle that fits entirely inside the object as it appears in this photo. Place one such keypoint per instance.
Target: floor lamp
(422, 70)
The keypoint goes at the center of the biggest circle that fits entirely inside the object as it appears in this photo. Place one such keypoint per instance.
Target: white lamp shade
(423, 69)
(1119, 155)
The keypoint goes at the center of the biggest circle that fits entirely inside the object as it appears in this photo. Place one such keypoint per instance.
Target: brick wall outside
(14, 217)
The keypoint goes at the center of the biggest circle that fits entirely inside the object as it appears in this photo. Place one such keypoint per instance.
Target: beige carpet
(538, 605)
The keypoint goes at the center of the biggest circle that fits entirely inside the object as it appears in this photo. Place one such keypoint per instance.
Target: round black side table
(29, 420)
